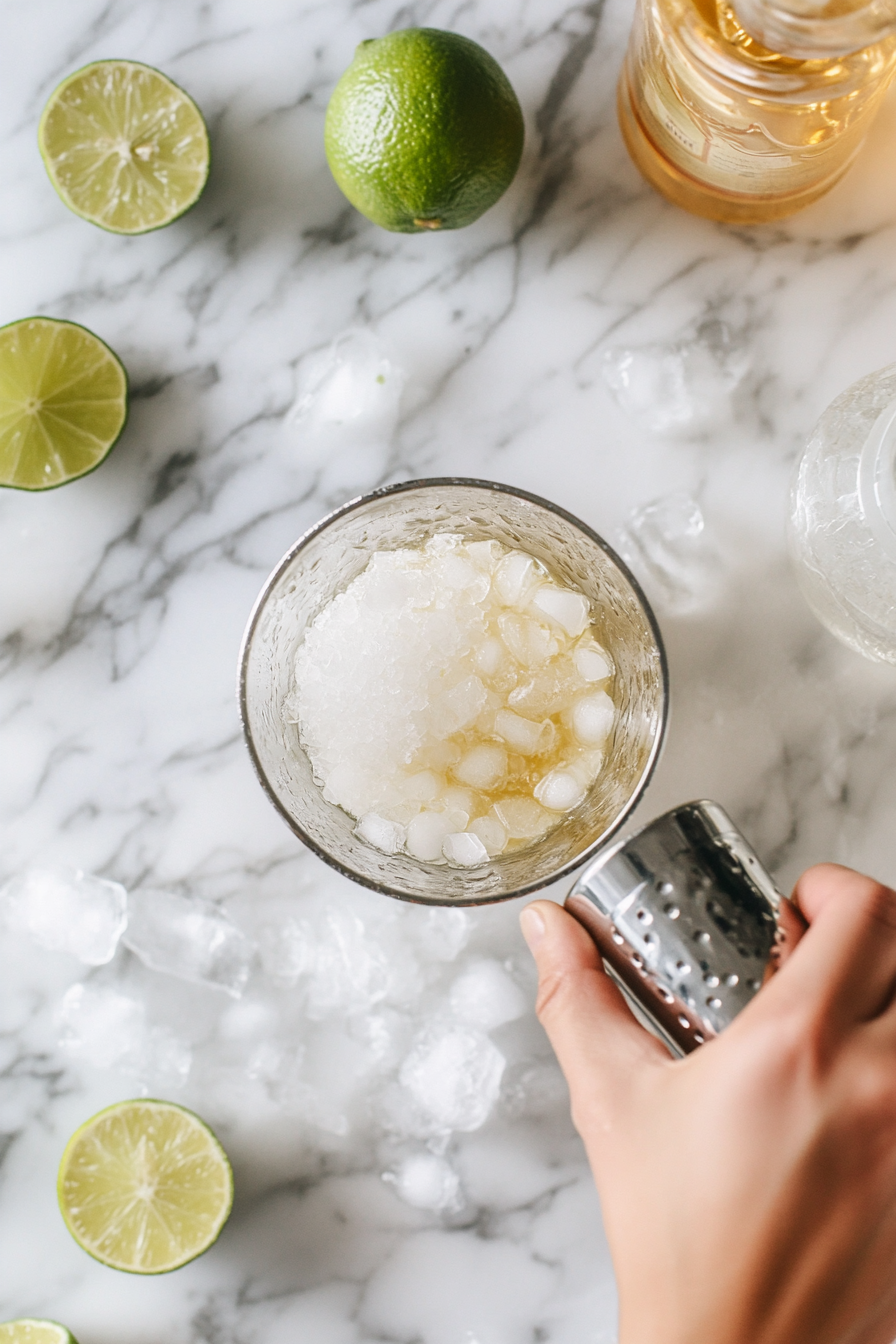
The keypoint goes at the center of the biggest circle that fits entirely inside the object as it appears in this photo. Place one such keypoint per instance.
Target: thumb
(600, 1046)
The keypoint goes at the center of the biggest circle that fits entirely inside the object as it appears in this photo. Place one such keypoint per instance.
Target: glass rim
(405, 487)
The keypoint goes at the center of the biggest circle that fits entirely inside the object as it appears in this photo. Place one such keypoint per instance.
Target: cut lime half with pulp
(145, 1187)
(28, 1331)
(124, 147)
(63, 402)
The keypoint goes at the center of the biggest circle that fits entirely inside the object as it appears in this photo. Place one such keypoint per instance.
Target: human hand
(749, 1190)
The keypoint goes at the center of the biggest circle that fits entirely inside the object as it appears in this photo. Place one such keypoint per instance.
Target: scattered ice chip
(592, 664)
(483, 766)
(440, 933)
(188, 938)
(560, 791)
(347, 969)
(665, 542)
(384, 835)
(351, 389)
(485, 996)
(453, 1073)
(426, 835)
(464, 849)
(523, 818)
(109, 1030)
(592, 718)
(67, 910)
(491, 833)
(521, 734)
(680, 388)
(426, 1181)
(286, 950)
(571, 611)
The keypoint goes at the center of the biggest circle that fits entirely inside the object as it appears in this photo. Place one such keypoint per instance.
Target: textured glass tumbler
(326, 560)
(730, 129)
(842, 530)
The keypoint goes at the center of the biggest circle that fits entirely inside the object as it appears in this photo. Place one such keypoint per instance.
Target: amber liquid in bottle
(728, 129)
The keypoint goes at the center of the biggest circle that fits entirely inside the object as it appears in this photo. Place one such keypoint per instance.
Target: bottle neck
(817, 29)
(877, 480)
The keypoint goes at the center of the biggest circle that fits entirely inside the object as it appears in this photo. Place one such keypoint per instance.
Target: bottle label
(737, 158)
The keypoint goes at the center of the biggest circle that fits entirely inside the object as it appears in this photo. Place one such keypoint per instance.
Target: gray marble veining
(124, 597)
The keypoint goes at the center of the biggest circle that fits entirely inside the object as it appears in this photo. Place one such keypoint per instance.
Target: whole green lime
(423, 131)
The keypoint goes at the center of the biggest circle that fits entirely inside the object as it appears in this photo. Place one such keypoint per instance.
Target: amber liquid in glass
(730, 130)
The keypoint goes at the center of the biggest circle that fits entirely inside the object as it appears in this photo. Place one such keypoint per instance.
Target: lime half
(124, 147)
(63, 402)
(145, 1187)
(28, 1331)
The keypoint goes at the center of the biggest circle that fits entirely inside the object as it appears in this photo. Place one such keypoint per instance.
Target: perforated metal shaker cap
(686, 919)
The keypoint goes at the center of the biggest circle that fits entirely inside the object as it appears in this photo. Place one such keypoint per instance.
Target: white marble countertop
(124, 597)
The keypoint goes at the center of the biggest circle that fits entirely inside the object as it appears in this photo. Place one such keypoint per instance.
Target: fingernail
(532, 925)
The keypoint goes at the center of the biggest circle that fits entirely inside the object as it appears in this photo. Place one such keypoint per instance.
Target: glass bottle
(732, 129)
(842, 529)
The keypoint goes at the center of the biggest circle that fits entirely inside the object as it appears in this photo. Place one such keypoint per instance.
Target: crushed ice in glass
(681, 388)
(67, 910)
(455, 700)
(189, 938)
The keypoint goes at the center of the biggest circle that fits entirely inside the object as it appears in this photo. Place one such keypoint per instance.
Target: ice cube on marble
(426, 1181)
(665, 542)
(386, 836)
(109, 1030)
(683, 387)
(464, 850)
(67, 910)
(453, 1074)
(571, 611)
(189, 938)
(592, 718)
(559, 790)
(286, 951)
(351, 389)
(440, 933)
(347, 971)
(485, 996)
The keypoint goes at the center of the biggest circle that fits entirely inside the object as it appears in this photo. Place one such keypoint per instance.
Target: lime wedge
(145, 1187)
(63, 402)
(28, 1331)
(124, 147)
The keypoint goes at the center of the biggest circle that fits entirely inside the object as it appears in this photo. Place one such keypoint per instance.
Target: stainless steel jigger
(687, 920)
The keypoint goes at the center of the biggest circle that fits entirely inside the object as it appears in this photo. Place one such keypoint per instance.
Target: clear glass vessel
(734, 130)
(842, 529)
(326, 560)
